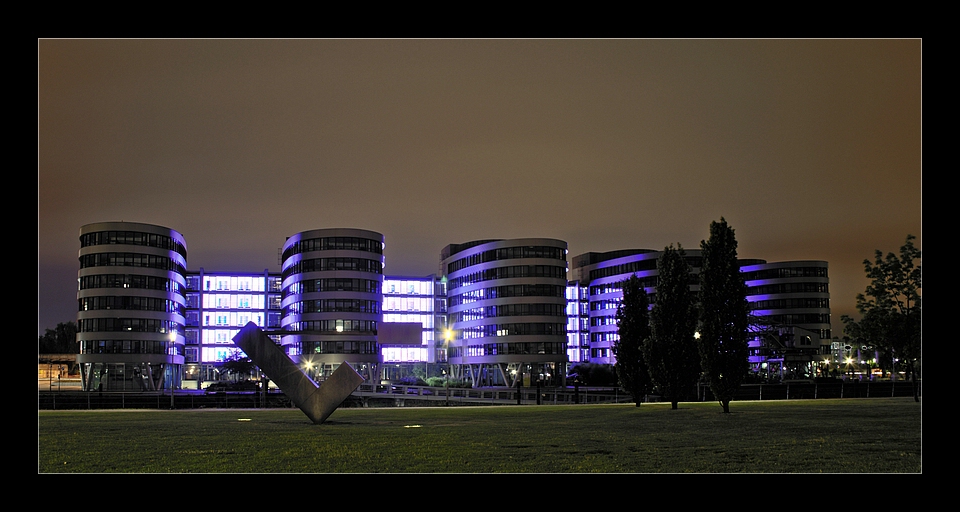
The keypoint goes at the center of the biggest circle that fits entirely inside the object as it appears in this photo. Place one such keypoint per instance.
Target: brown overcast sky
(811, 149)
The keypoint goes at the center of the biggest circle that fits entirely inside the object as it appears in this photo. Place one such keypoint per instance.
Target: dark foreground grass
(874, 435)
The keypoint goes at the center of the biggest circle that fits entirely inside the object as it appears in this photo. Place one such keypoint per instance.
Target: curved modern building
(601, 277)
(506, 310)
(498, 312)
(331, 300)
(790, 303)
(130, 320)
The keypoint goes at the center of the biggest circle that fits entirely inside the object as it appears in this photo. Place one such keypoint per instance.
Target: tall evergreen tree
(723, 314)
(633, 324)
(671, 349)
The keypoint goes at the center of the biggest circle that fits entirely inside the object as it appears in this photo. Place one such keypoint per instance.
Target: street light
(446, 387)
(173, 340)
(447, 338)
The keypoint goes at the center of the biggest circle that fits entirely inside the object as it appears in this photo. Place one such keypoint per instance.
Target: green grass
(876, 435)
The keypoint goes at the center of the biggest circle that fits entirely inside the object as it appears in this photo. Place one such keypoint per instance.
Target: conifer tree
(671, 350)
(723, 314)
(633, 328)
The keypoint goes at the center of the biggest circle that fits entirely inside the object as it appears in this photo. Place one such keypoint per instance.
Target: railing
(402, 395)
(831, 389)
(494, 395)
(153, 400)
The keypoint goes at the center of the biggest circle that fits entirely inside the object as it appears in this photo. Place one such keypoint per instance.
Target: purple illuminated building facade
(332, 282)
(789, 303)
(130, 323)
(506, 310)
(498, 312)
(414, 319)
(218, 305)
(790, 306)
(598, 279)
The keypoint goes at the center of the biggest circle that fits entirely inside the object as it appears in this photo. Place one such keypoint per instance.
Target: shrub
(592, 374)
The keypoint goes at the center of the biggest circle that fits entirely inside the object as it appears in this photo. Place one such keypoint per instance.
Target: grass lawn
(876, 435)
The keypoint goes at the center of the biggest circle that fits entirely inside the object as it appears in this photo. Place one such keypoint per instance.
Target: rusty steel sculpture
(317, 402)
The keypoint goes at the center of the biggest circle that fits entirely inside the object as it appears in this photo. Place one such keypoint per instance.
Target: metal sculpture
(317, 402)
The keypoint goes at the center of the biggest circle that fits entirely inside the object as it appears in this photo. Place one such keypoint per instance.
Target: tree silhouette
(238, 365)
(671, 350)
(633, 328)
(890, 309)
(61, 340)
(723, 314)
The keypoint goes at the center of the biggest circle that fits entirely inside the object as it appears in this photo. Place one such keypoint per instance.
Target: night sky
(811, 149)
